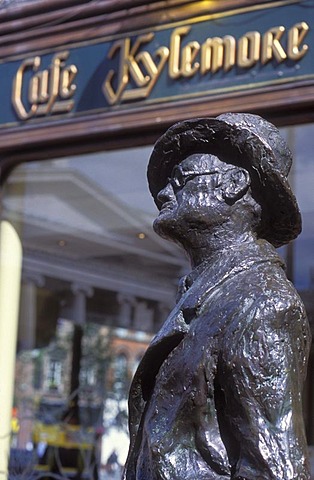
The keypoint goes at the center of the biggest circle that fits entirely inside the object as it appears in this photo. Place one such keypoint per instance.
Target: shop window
(96, 284)
(94, 278)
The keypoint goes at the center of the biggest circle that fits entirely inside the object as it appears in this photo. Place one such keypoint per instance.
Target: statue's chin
(161, 228)
(169, 230)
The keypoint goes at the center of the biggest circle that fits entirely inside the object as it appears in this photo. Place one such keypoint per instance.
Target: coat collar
(209, 275)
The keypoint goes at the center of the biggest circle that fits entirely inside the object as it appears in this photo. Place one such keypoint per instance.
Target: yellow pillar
(10, 280)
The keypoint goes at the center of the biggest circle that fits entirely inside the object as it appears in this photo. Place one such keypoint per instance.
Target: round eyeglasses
(179, 177)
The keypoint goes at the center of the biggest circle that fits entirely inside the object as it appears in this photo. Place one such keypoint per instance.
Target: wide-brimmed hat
(244, 140)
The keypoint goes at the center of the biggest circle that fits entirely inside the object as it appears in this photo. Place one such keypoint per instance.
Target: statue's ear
(236, 182)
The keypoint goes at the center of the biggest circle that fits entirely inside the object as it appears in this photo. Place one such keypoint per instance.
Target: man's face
(192, 200)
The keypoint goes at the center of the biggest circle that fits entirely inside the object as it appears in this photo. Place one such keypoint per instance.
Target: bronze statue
(218, 392)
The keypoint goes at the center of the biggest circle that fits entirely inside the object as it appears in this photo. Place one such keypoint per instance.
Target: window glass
(299, 255)
(96, 284)
(302, 183)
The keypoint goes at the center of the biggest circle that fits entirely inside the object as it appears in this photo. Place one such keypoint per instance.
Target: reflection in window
(88, 376)
(97, 284)
(54, 374)
(300, 253)
(38, 369)
(120, 382)
(121, 367)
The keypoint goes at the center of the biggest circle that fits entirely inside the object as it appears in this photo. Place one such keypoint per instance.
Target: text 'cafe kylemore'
(39, 91)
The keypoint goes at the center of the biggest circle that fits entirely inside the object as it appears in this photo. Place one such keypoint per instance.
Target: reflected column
(80, 293)
(28, 310)
(127, 304)
(143, 317)
(27, 342)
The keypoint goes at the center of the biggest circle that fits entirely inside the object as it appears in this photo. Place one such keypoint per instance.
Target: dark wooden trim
(121, 129)
(46, 24)
(84, 8)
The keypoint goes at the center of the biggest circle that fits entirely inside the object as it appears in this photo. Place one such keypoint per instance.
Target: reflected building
(93, 267)
(97, 283)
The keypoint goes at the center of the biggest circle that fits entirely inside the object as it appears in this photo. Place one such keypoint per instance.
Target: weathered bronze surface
(218, 392)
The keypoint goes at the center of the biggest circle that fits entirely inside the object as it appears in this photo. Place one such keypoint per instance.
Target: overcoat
(217, 394)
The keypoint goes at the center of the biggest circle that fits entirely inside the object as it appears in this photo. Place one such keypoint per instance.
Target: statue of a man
(218, 392)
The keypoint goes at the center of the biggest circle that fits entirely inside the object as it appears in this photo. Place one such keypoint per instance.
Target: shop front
(86, 89)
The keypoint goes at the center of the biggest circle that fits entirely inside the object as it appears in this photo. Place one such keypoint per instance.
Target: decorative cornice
(107, 277)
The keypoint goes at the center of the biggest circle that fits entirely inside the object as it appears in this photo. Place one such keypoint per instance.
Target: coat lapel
(224, 267)
(176, 327)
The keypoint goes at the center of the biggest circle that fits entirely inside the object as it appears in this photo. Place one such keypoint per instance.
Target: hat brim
(239, 146)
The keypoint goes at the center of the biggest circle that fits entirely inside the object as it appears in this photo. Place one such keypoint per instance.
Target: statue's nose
(166, 194)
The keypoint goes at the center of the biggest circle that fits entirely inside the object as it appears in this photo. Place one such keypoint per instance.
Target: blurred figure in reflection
(112, 463)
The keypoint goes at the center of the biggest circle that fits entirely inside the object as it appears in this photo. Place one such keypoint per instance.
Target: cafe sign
(184, 60)
(240, 50)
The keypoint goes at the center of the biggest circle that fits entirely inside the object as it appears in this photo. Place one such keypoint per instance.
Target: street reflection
(97, 284)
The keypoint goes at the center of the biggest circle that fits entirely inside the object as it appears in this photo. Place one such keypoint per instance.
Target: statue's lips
(167, 206)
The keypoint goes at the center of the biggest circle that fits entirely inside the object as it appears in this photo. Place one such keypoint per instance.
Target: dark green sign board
(239, 50)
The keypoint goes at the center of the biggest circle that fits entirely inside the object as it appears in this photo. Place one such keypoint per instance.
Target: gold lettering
(67, 87)
(154, 70)
(175, 49)
(51, 90)
(129, 66)
(249, 49)
(45, 87)
(17, 91)
(186, 60)
(296, 36)
(217, 53)
(189, 53)
(111, 95)
(38, 88)
(271, 46)
(57, 62)
(132, 61)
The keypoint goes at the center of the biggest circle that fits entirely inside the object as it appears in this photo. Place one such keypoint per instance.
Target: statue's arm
(262, 380)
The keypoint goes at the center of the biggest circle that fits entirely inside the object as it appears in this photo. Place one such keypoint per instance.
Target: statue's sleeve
(261, 379)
